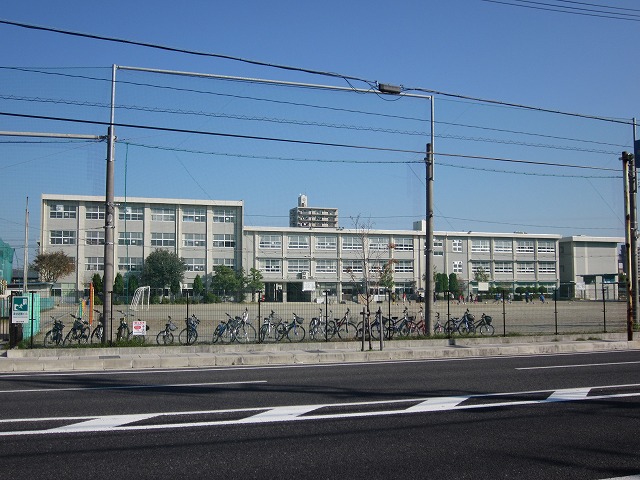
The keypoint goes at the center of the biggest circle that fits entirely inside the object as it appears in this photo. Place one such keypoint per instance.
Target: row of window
(507, 267)
(96, 237)
(189, 214)
(274, 265)
(134, 264)
(499, 246)
(330, 242)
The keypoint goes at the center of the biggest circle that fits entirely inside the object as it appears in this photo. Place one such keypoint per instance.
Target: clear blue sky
(579, 62)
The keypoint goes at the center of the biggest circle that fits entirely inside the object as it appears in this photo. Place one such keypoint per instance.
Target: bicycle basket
(172, 327)
(299, 320)
(471, 317)
(488, 319)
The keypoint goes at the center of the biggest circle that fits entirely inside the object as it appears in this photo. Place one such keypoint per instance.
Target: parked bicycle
(189, 334)
(79, 332)
(484, 325)
(124, 333)
(98, 331)
(321, 328)
(344, 327)
(54, 336)
(269, 328)
(293, 331)
(165, 337)
(374, 327)
(402, 327)
(235, 329)
(438, 328)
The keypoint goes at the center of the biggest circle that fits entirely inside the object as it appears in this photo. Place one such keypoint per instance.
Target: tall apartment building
(312, 217)
(302, 263)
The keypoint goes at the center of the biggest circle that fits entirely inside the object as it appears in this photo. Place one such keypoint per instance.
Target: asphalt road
(561, 416)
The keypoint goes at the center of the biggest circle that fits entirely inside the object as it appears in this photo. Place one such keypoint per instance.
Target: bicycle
(238, 329)
(403, 327)
(54, 336)
(466, 324)
(189, 334)
(79, 331)
(98, 331)
(269, 328)
(124, 333)
(165, 337)
(344, 327)
(321, 328)
(484, 325)
(374, 327)
(438, 328)
(294, 331)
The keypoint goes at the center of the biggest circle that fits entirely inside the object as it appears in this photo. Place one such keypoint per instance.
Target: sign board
(483, 286)
(19, 309)
(308, 286)
(139, 327)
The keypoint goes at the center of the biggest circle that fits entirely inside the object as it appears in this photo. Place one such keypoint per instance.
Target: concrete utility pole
(109, 220)
(428, 245)
(630, 257)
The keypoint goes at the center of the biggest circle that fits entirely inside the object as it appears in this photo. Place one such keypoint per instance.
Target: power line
(570, 10)
(347, 78)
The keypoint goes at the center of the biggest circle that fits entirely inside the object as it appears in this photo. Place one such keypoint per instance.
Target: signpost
(19, 309)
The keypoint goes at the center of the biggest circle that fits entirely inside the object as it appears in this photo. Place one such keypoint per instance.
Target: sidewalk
(153, 356)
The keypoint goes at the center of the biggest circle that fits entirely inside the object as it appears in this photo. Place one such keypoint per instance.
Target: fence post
(326, 315)
(604, 310)
(555, 306)
(259, 314)
(504, 317)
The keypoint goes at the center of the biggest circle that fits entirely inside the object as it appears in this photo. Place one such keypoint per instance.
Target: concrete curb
(201, 356)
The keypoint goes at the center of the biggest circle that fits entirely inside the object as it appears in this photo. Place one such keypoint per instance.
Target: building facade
(309, 263)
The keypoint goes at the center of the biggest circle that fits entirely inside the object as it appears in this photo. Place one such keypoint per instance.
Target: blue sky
(556, 61)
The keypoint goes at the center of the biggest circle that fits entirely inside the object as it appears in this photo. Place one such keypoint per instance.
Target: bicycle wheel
(347, 331)
(123, 333)
(438, 329)
(49, 340)
(98, 332)
(296, 333)
(84, 335)
(70, 337)
(487, 330)
(463, 328)
(450, 327)
(246, 334)
(164, 338)
(315, 329)
(183, 337)
(281, 331)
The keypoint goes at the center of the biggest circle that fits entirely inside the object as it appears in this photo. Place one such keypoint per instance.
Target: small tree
(118, 284)
(254, 282)
(481, 275)
(454, 286)
(97, 283)
(52, 266)
(198, 286)
(132, 283)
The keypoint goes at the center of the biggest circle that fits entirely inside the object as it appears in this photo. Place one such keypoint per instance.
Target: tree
(162, 269)
(132, 283)
(481, 275)
(225, 280)
(97, 283)
(254, 281)
(454, 286)
(52, 266)
(386, 276)
(198, 286)
(118, 284)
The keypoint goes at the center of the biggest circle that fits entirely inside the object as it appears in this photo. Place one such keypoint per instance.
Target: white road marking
(114, 423)
(578, 365)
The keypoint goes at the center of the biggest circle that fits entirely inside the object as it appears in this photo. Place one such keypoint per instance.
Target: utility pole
(428, 246)
(630, 257)
(109, 220)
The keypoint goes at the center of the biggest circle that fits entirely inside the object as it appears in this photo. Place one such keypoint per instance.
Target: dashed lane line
(212, 418)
